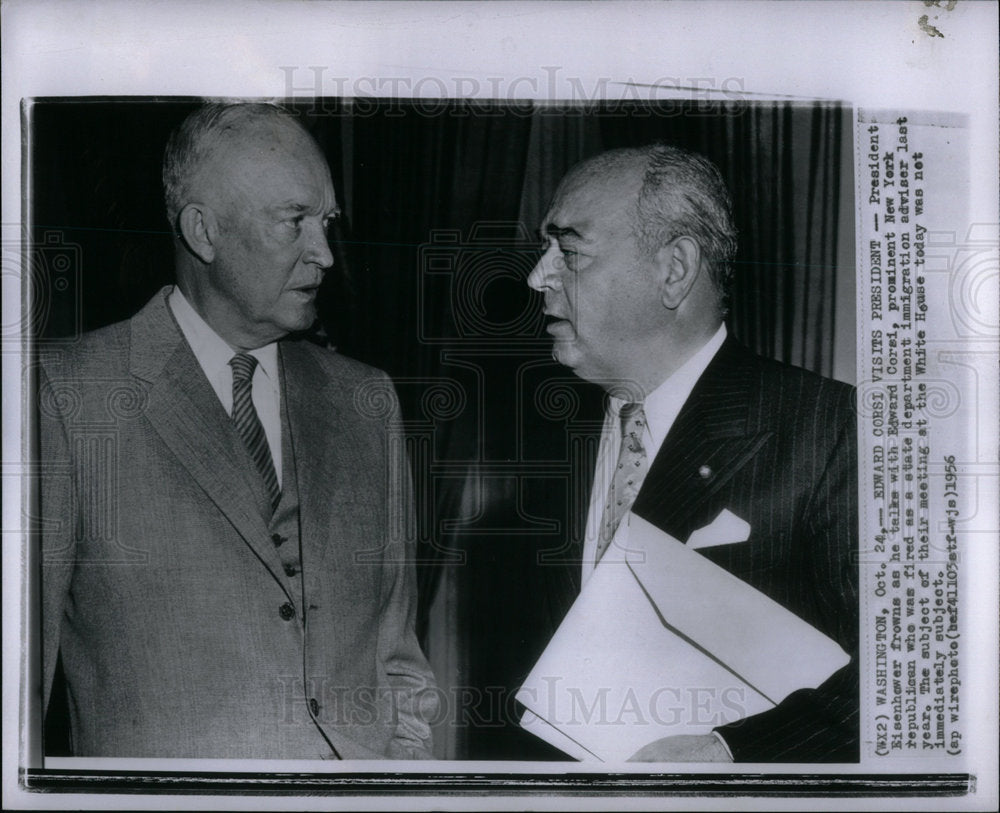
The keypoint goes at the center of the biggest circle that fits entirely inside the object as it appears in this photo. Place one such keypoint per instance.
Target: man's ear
(678, 263)
(199, 228)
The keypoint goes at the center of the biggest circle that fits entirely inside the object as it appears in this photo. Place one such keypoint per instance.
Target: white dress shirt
(213, 354)
(661, 407)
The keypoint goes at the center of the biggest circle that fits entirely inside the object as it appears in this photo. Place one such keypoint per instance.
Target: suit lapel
(322, 450)
(717, 432)
(186, 414)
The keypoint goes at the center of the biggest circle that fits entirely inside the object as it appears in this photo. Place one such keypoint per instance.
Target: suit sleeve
(820, 725)
(413, 687)
(56, 522)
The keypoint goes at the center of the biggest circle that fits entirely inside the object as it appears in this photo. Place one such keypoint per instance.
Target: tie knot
(243, 365)
(631, 411)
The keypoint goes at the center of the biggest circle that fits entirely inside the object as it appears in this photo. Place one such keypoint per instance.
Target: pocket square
(726, 529)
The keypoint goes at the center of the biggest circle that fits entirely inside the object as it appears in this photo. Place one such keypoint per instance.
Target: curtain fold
(427, 281)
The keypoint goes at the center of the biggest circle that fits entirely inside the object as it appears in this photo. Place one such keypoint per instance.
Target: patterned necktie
(248, 424)
(629, 473)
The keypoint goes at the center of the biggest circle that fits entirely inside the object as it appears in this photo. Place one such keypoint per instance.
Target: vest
(302, 734)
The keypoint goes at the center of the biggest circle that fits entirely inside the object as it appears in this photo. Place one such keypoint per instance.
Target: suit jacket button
(286, 611)
(277, 539)
(313, 706)
(290, 570)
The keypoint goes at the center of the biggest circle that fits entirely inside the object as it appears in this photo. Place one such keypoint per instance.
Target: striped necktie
(628, 476)
(248, 424)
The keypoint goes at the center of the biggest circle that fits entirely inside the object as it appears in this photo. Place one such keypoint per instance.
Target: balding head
(676, 192)
(637, 243)
(191, 169)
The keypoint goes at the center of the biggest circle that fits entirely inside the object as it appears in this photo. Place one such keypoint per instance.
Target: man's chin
(302, 317)
(565, 353)
(570, 355)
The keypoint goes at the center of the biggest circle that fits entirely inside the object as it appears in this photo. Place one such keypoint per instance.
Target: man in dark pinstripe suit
(756, 457)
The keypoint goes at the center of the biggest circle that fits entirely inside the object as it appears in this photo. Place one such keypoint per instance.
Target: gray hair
(683, 194)
(196, 138)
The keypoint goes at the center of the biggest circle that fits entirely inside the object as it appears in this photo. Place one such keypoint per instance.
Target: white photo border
(901, 55)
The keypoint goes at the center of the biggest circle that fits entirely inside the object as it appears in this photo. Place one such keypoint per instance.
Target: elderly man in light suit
(225, 566)
(635, 277)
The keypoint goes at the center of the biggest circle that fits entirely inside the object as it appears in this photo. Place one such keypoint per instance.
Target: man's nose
(545, 275)
(318, 247)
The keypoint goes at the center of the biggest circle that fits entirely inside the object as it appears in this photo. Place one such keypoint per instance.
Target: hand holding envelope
(668, 643)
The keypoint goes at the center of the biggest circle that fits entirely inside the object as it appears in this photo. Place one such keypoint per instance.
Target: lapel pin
(704, 472)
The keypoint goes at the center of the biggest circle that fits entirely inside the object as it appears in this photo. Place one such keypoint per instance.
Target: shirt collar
(664, 403)
(211, 350)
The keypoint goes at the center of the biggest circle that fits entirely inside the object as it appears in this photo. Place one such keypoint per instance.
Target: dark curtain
(435, 269)
(441, 200)
(100, 246)
(436, 191)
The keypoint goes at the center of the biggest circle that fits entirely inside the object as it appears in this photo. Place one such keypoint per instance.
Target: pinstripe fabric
(776, 446)
(248, 424)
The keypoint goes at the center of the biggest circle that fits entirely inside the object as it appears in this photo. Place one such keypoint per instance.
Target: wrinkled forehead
(272, 141)
(595, 194)
(269, 157)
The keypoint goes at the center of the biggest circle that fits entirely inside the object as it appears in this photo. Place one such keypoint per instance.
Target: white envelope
(666, 643)
(726, 529)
